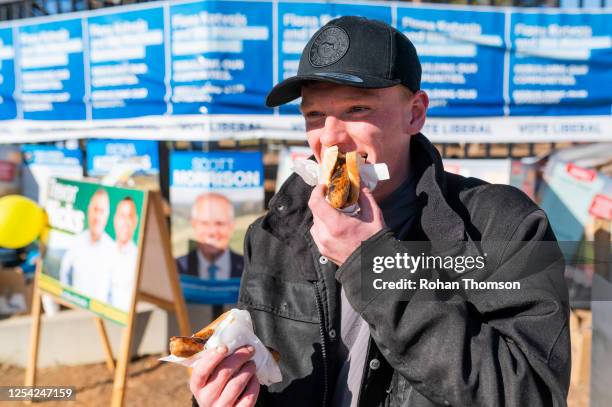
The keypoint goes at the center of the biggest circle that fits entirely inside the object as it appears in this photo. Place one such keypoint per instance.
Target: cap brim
(291, 88)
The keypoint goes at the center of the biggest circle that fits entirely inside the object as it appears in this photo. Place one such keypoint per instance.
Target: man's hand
(338, 235)
(219, 380)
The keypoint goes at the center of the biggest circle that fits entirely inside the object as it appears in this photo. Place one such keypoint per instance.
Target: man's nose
(334, 132)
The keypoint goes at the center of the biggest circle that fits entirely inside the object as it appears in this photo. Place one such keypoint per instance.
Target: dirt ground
(151, 383)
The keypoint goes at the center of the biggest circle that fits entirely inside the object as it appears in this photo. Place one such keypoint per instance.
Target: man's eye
(358, 109)
(313, 115)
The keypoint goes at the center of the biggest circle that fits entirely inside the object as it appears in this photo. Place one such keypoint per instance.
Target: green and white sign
(92, 252)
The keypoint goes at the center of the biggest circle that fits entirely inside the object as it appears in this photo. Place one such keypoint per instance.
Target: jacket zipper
(323, 343)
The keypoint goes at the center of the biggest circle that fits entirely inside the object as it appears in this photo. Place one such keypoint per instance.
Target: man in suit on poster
(212, 221)
(85, 266)
(125, 257)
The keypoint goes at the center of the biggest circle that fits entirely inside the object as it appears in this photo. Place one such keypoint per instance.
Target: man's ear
(418, 112)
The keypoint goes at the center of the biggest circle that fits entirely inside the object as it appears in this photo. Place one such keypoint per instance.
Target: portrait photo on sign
(214, 197)
(92, 252)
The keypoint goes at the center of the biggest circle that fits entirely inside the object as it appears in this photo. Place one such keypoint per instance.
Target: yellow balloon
(21, 221)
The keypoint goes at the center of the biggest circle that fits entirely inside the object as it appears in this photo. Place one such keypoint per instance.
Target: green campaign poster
(92, 249)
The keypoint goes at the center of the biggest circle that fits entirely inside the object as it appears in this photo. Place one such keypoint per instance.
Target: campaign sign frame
(79, 207)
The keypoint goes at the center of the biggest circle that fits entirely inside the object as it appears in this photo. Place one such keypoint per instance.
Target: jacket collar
(289, 217)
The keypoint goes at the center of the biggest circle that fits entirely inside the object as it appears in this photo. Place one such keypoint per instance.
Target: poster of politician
(129, 163)
(92, 251)
(214, 197)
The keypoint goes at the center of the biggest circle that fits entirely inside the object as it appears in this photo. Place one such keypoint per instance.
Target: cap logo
(329, 46)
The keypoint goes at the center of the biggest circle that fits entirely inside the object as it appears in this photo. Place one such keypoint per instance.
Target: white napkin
(234, 331)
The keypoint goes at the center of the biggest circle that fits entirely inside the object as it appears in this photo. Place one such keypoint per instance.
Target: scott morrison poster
(92, 250)
(214, 197)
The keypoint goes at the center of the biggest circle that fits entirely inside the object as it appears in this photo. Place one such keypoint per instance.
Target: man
(86, 264)
(125, 257)
(341, 346)
(212, 221)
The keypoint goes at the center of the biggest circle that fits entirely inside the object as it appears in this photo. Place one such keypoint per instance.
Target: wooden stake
(161, 303)
(108, 351)
(123, 359)
(30, 376)
(122, 363)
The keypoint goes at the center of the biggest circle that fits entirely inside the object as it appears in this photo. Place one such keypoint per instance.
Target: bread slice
(353, 161)
(209, 329)
(330, 156)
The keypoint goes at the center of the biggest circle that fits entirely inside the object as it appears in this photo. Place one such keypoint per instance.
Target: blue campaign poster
(218, 170)
(8, 108)
(127, 64)
(297, 22)
(221, 57)
(52, 70)
(196, 57)
(199, 291)
(196, 180)
(141, 156)
(34, 154)
(561, 64)
(462, 58)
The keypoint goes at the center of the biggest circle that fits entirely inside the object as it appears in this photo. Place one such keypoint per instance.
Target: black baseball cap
(353, 51)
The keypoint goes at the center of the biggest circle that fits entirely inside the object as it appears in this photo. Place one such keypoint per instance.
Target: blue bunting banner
(197, 70)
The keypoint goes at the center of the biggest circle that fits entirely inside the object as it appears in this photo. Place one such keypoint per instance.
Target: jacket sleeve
(489, 348)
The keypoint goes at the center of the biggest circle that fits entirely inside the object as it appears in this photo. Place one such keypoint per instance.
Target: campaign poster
(462, 57)
(43, 162)
(52, 70)
(132, 163)
(8, 107)
(560, 63)
(10, 175)
(127, 64)
(567, 194)
(92, 250)
(221, 57)
(215, 196)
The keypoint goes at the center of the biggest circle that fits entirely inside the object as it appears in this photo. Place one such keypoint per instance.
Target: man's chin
(210, 250)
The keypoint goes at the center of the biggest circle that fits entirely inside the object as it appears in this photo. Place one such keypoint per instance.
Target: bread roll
(340, 172)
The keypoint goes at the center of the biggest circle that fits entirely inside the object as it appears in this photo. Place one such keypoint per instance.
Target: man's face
(212, 226)
(378, 122)
(125, 221)
(97, 215)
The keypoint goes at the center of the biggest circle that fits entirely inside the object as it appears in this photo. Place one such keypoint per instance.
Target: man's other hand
(338, 235)
(219, 380)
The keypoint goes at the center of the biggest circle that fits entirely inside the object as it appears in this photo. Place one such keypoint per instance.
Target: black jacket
(501, 348)
(188, 264)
